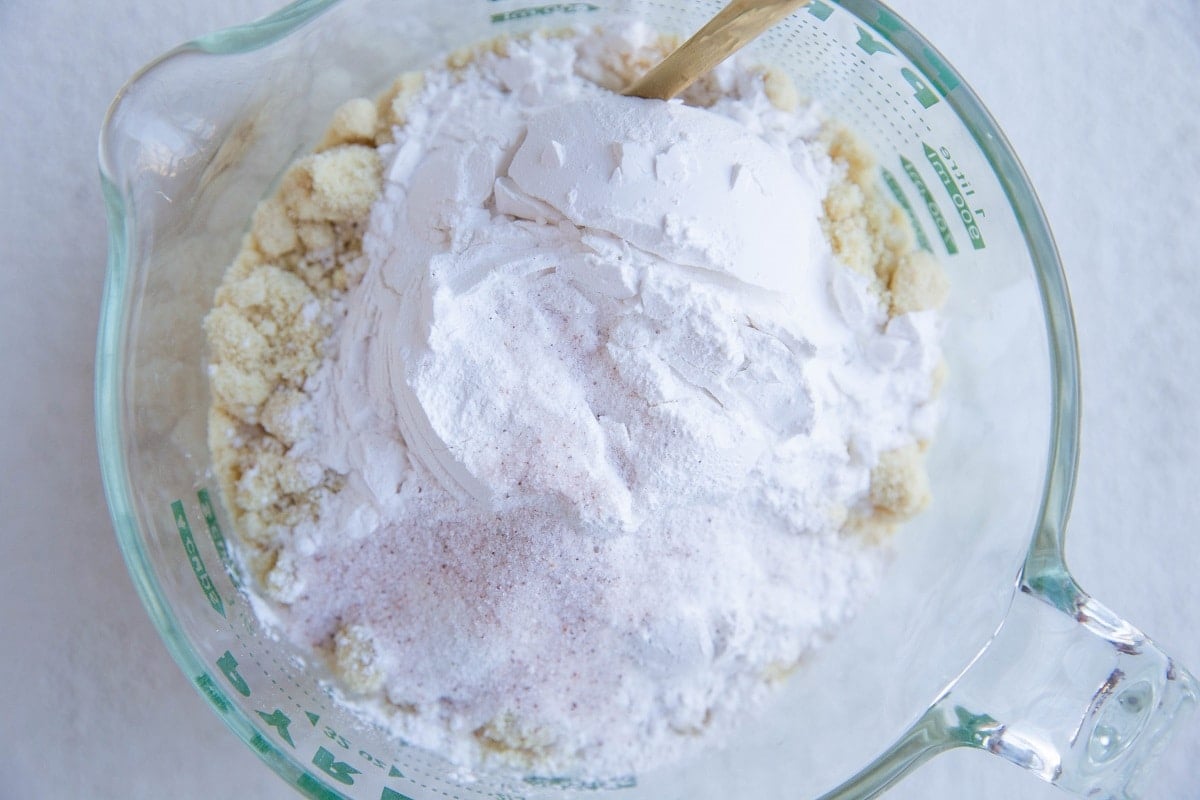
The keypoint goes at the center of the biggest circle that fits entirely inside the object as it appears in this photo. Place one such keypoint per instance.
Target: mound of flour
(600, 400)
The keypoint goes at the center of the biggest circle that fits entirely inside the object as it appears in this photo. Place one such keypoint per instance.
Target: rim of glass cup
(1045, 555)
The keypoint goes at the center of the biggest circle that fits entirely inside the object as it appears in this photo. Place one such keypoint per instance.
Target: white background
(1099, 99)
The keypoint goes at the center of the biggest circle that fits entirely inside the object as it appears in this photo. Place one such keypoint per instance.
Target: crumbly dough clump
(269, 327)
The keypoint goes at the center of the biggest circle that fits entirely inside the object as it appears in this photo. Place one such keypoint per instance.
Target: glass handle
(1071, 692)
(1065, 689)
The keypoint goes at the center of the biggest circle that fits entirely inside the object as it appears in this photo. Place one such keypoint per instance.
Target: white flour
(603, 400)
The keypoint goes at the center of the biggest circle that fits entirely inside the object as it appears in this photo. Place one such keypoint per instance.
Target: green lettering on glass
(894, 186)
(279, 721)
(956, 197)
(210, 690)
(887, 22)
(193, 554)
(939, 220)
(218, 538)
(395, 773)
(943, 77)
(312, 718)
(392, 794)
(925, 96)
(820, 10)
(259, 743)
(542, 11)
(314, 788)
(228, 665)
(869, 44)
(340, 771)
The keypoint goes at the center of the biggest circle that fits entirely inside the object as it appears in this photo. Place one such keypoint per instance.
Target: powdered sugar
(603, 400)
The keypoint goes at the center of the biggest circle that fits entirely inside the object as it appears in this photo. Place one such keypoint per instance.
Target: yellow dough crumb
(899, 484)
(918, 284)
(353, 123)
(355, 659)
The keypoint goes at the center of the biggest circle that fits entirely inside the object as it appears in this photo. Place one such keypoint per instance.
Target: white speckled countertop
(1098, 99)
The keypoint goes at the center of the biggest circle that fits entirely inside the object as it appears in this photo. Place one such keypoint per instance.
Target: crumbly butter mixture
(548, 617)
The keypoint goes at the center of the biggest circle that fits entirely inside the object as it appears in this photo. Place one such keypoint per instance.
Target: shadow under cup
(198, 138)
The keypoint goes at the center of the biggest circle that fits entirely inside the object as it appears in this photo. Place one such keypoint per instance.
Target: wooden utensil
(737, 24)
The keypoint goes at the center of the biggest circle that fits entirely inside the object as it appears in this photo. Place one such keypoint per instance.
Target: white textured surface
(1098, 99)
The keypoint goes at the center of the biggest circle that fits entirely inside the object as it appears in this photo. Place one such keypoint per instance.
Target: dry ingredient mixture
(561, 423)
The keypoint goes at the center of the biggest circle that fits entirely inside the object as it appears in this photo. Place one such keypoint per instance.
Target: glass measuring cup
(195, 142)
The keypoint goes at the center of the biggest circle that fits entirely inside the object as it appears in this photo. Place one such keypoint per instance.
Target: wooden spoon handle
(728, 31)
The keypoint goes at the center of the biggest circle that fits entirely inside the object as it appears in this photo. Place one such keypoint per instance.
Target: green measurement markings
(193, 554)
(935, 211)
